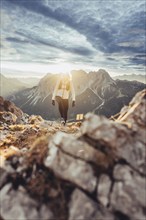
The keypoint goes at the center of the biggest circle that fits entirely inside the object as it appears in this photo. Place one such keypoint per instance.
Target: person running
(61, 94)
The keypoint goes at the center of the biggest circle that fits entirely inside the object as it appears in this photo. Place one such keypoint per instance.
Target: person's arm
(73, 94)
(55, 90)
(72, 91)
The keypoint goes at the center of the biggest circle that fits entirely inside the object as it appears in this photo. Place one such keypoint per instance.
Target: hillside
(95, 92)
(89, 170)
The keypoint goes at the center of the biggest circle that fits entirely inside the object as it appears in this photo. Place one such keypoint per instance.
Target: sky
(53, 36)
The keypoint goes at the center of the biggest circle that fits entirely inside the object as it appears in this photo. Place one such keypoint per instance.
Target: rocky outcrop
(97, 172)
(19, 130)
(9, 113)
(18, 205)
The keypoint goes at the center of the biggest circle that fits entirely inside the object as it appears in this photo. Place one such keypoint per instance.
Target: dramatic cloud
(80, 34)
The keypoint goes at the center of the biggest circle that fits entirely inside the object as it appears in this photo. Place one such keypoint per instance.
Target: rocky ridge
(97, 171)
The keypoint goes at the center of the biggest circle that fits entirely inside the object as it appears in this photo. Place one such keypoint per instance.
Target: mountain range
(132, 77)
(29, 81)
(95, 92)
(10, 86)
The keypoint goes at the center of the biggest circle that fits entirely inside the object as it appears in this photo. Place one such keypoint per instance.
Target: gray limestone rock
(81, 207)
(71, 169)
(128, 194)
(103, 189)
(16, 204)
(77, 148)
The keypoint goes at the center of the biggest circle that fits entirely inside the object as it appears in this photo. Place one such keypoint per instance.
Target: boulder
(69, 168)
(17, 204)
(82, 207)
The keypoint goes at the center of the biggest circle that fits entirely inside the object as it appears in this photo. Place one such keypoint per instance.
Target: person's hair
(69, 76)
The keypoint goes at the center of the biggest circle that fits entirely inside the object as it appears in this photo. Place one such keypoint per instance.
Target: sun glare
(61, 68)
(36, 67)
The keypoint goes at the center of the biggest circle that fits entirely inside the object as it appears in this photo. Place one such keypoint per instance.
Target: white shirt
(63, 92)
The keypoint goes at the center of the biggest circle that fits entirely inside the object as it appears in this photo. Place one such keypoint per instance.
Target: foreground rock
(128, 195)
(97, 173)
(83, 207)
(71, 169)
(18, 205)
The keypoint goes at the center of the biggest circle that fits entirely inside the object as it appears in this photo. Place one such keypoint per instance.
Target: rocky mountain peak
(46, 84)
(101, 76)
